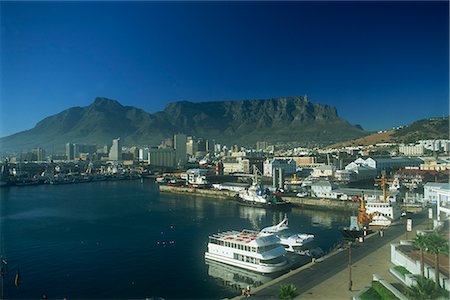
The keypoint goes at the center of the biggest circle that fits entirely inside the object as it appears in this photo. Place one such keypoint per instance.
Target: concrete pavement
(329, 279)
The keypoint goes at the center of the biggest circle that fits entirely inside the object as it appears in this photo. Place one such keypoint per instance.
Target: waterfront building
(324, 171)
(360, 172)
(390, 163)
(161, 157)
(288, 165)
(233, 164)
(115, 153)
(180, 143)
(323, 189)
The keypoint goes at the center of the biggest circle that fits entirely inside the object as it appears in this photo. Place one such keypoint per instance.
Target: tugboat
(358, 225)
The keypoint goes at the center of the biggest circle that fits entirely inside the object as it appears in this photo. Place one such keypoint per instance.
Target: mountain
(426, 129)
(287, 119)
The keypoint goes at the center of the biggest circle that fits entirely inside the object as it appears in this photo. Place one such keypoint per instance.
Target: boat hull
(353, 234)
(259, 268)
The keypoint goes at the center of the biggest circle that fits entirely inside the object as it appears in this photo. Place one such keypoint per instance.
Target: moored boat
(248, 250)
(293, 242)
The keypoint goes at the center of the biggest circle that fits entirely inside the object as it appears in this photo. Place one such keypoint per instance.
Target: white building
(429, 191)
(115, 153)
(389, 163)
(323, 189)
(361, 171)
(288, 166)
(143, 154)
(443, 200)
(324, 171)
(411, 150)
(236, 165)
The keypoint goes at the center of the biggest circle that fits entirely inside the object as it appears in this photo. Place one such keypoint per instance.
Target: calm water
(125, 240)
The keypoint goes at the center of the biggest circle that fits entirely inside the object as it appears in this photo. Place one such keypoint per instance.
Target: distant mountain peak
(292, 119)
(103, 101)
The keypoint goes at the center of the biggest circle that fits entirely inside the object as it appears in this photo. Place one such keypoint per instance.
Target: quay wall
(196, 192)
(315, 203)
(325, 204)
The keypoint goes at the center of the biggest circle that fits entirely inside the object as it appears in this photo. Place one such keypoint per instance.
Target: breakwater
(314, 203)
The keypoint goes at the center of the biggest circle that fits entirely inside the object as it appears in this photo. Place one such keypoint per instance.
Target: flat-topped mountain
(286, 119)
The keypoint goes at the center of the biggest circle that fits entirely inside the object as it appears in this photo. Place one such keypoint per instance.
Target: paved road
(319, 272)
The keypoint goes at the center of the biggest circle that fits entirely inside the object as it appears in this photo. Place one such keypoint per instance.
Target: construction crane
(382, 183)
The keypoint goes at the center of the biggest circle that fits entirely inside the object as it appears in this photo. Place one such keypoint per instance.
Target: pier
(315, 203)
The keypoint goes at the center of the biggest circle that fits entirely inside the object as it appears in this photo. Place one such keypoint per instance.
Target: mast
(362, 217)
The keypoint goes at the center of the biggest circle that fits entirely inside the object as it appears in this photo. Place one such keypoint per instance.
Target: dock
(313, 203)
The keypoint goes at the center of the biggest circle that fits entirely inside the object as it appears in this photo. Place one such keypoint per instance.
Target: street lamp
(350, 265)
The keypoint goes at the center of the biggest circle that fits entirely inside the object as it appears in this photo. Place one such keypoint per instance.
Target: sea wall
(315, 203)
(197, 192)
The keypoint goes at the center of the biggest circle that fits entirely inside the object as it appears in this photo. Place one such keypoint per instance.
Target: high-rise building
(115, 153)
(179, 143)
(261, 145)
(38, 154)
(161, 157)
(70, 151)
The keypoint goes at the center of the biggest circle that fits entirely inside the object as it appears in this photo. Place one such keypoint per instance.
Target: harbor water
(125, 240)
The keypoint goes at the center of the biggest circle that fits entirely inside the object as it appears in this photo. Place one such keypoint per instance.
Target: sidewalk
(378, 262)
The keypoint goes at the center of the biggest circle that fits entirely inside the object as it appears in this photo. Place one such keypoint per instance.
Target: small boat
(293, 242)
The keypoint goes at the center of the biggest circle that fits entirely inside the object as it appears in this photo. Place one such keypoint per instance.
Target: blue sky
(382, 64)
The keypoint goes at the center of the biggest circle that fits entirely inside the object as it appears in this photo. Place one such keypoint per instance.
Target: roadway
(318, 272)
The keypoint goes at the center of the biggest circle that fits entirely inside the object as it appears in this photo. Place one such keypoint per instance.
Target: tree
(436, 244)
(426, 289)
(287, 291)
(421, 242)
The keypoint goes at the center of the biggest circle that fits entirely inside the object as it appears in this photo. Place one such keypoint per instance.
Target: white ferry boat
(291, 242)
(248, 250)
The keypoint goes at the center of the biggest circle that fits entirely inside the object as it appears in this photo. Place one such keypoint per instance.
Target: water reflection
(235, 278)
(254, 215)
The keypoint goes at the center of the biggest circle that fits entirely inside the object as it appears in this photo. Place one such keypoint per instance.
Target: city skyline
(381, 64)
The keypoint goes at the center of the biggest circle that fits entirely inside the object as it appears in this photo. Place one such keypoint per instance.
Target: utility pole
(349, 265)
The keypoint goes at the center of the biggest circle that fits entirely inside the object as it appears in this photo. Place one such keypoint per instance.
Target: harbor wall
(197, 192)
(315, 203)
(325, 204)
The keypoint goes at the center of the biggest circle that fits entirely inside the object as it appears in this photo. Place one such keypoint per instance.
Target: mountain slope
(288, 119)
(426, 129)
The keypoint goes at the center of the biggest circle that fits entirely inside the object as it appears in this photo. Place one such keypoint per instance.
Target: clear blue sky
(381, 64)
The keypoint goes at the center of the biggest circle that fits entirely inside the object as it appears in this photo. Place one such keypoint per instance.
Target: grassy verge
(378, 292)
(402, 270)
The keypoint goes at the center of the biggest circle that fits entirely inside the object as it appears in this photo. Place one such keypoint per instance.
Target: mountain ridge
(282, 119)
